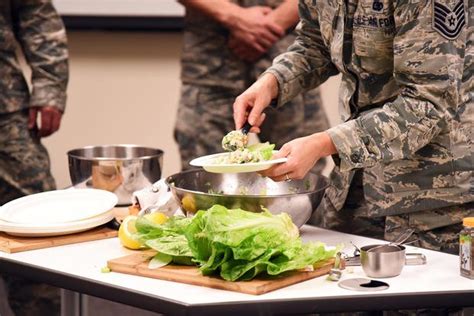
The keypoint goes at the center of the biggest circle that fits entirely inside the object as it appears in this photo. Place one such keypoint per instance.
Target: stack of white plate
(57, 212)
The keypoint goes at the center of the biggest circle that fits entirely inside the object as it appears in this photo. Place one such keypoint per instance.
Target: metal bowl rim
(366, 248)
(242, 195)
(72, 155)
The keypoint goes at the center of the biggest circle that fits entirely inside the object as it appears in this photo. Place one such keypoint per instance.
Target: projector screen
(120, 8)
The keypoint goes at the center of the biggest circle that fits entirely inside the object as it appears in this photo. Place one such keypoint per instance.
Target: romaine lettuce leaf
(233, 243)
(265, 149)
(239, 245)
(147, 230)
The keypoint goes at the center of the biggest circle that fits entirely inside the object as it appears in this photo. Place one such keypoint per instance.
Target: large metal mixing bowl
(199, 190)
(121, 169)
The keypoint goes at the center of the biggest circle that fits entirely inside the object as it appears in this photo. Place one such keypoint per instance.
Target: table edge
(164, 305)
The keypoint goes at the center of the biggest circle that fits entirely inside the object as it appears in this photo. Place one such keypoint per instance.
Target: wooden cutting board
(13, 244)
(137, 264)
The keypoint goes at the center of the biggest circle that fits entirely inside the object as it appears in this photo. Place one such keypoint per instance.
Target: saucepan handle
(415, 259)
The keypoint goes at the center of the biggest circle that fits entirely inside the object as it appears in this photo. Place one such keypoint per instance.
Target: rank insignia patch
(449, 22)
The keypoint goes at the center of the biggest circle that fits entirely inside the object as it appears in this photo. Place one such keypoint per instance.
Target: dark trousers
(25, 169)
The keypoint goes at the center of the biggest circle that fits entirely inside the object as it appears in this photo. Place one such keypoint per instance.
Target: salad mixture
(234, 140)
(253, 153)
(232, 243)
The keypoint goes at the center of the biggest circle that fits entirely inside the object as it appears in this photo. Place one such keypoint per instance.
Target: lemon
(126, 231)
(157, 218)
(188, 203)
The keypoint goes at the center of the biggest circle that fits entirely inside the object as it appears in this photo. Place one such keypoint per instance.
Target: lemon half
(126, 231)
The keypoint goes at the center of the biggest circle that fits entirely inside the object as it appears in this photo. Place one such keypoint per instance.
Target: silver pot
(199, 190)
(121, 169)
(382, 261)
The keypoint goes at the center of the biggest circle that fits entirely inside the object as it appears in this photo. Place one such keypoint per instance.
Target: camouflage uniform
(24, 161)
(405, 149)
(213, 77)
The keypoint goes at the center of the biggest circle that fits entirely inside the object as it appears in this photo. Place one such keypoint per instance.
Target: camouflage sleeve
(42, 35)
(428, 69)
(307, 63)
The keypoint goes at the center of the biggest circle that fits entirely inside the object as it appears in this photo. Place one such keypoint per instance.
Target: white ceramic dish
(59, 206)
(31, 230)
(208, 163)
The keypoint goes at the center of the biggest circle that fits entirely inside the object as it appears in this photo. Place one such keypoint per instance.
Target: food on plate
(253, 153)
(127, 232)
(232, 243)
(234, 140)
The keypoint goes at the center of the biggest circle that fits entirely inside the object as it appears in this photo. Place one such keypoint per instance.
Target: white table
(77, 268)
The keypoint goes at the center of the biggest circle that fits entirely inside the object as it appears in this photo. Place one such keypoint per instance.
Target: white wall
(119, 7)
(124, 88)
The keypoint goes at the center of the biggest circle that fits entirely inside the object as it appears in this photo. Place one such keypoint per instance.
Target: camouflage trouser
(437, 237)
(205, 115)
(24, 161)
(28, 298)
(440, 232)
(25, 169)
(444, 238)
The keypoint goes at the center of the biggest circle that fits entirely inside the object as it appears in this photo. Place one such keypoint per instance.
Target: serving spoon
(240, 135)
(243, 133)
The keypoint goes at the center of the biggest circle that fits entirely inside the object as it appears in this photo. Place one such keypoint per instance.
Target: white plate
(60, 206)
(30, 230)
(208, 163)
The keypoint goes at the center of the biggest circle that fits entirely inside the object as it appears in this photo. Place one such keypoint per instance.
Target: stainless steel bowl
(382, 261)
(121, 169)
(199, 190)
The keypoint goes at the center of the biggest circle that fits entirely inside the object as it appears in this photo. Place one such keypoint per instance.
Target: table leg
(84, 304)
(70, 303)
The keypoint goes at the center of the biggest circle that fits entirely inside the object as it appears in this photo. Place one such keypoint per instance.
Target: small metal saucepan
(383, 261)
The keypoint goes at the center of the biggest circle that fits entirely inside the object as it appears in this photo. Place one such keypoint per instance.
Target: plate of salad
(251, 158)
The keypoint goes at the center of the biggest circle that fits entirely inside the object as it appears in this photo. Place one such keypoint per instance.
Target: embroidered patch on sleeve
(449, 22)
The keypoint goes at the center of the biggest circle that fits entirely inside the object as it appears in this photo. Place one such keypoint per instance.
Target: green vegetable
(171, 245)
(167, 238)
(239, 245)
(147, 230)
(265, 150)
(105, 270)
(159, 260)
(236, 244)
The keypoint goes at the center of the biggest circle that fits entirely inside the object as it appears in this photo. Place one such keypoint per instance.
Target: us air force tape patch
(448, 22)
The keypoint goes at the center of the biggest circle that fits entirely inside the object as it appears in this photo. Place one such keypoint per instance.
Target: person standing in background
(227, 45)
(24, 161)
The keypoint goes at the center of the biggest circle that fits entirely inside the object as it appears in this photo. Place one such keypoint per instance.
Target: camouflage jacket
(206, 59)
(37, 27)
(406, 97)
